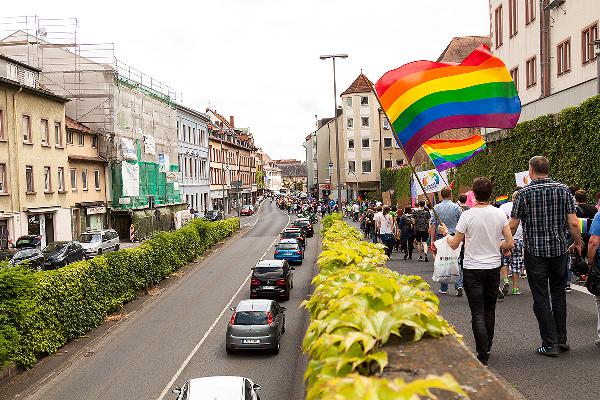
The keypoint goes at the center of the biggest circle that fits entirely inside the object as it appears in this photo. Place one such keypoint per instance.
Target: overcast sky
(259, 59)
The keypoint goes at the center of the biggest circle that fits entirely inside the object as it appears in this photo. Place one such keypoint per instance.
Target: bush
(40, 312)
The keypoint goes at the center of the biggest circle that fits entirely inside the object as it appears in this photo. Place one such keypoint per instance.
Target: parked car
(32, 257)
(59, 254)
(290, 250)
(272, 278)
(305, 225)
(95, 243)
(255, 324)
(294, 233)
(214, 215)
(247, 210)
(28, 242)
(218, 387)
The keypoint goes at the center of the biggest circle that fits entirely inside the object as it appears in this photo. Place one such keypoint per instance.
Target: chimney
(231, 120)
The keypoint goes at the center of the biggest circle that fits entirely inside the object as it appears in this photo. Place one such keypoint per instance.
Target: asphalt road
(181, 334)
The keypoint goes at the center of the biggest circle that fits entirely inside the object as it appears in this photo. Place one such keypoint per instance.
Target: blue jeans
(459, 280)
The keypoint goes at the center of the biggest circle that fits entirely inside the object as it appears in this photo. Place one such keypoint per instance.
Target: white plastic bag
(445, 266)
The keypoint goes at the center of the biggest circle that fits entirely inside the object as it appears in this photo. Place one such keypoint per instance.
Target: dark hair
(462, 198)
(540, 165)
(394, 208)
(421, 203)
(386, 209)
(580, 196)
(573, 189)
(407, 210)
(446, 193)
(482, 189)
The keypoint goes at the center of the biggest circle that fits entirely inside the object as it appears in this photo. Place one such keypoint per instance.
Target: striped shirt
(542, 207)
(449, 213)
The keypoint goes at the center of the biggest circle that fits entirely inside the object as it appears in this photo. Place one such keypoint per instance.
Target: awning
(43, 209)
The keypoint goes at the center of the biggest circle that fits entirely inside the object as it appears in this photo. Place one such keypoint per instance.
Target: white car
(218, 388)
(95, 243)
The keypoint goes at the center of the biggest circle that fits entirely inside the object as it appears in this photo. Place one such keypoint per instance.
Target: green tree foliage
(569, 140)
(397, 179)
(40, 312)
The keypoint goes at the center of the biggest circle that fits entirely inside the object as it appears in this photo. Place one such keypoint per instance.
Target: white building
(273, 179)
(549, 51)
(192, 134)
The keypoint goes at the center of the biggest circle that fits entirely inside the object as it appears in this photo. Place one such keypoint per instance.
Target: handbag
(445, 266)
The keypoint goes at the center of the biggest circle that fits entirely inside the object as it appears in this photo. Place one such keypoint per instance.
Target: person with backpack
(422, 217)
(406, 225)
(593, 258)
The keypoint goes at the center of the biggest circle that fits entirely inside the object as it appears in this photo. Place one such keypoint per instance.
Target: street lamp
(337, 140)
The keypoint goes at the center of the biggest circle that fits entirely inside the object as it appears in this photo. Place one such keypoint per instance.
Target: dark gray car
(255, 324)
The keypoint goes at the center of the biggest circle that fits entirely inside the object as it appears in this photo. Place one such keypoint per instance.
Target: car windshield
(301, 223)
(268, 272)
(291, 234)
(250, 318)
(287, 246)
(23, 254)
(90, 238)
(25, 241)
(56, 246)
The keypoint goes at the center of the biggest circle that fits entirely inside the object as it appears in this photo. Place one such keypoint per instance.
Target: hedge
(40, 312)
(357, 305)
(569, 140)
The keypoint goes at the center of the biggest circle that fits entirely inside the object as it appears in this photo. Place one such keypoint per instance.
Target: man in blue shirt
(593, 245)
(449, 213)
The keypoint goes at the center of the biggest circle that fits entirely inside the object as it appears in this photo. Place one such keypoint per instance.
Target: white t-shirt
(387, 224)
(356, 208)
(482, 226)
(507, 208)
(378, 217)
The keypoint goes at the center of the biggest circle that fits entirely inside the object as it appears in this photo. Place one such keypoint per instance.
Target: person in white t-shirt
(387, 227)
(480, 227)
(377, 219)
(515, 260)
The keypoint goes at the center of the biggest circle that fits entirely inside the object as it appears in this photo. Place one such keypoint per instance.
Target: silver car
(255, 324)
(95, 243)
(218, 388)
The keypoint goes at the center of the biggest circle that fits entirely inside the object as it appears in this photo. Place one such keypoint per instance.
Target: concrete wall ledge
(413, 360)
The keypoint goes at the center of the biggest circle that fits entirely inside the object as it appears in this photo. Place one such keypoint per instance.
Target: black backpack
(593, 279)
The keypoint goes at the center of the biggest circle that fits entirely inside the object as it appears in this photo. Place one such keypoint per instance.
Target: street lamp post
(337, 140)
(597, 44)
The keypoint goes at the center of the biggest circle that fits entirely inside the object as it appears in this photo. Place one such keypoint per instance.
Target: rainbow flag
(584, 225)
(447, 153)
(501, 199)
(424, 98)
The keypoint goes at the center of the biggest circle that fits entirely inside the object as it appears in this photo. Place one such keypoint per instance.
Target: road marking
(581, 289)
(210, 329)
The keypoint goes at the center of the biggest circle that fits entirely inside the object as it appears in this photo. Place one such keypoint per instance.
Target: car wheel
(117, 247)
(286, 296)
(229, 350)
(99, 252)
(276, 348)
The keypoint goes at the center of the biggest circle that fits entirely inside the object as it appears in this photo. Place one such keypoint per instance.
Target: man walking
(449, 213)
(593, 255)
(547, 209)
(422, 218)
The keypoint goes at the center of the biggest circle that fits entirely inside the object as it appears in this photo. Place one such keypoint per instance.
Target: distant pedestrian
(480, 228)
(513, 261)
(547, 209)
(422, 217)
(377, 218)
(593, 256)
(406, 225)
(386, 230)
(462, 202)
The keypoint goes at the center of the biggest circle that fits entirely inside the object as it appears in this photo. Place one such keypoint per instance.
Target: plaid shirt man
(449, 213)
(542, 207)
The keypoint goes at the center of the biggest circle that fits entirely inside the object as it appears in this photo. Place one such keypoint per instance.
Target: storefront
(51, 223)
(88, 217)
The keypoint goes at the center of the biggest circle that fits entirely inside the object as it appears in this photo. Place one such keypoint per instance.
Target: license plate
(268, 287)
(250, 341)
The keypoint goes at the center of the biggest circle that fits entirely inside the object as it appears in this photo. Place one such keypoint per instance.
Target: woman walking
(386, 230)
(481, 228)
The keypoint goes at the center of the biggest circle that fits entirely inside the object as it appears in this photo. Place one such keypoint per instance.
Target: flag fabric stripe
(453, 152)
(453, 157)
(424, 98)
(451, 143)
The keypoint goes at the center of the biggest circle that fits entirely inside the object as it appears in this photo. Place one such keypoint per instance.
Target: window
(61, 179)
(97, 179)
(12, 72)
(588, 36)
(3, 185)
(366, 143)
(366, 167)
(399, 162)
(47, 180)
(514, 74)
(84, 180)
(387, 163)
(58, 140)
(349, 101)
(364, 122)
(349, 122)
(30, 78)
(498, 29)
(530, 71)
(73, 179)
(364, 101)
(386, 124)
(350, 144)
(80, 139)
(513, 13)
(29, 179)
(529, 11)
(387, 142)
(94, 142)
(69, 137)
(26, 128)
(44, 131)
(352, 166)
(563, 57)
(2, 137)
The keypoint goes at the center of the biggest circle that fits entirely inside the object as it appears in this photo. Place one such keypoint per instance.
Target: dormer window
(12, 72)
(30, 78)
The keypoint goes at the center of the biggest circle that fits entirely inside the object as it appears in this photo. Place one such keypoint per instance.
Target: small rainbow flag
(584, 225)
(424, 98)
(501, 199)
(447, 153)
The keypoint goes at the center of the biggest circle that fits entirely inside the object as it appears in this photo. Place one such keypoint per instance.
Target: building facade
(273, 179)
(33, 158)
(548, 47)
(310, 147)
(192, 128)
(293, 174)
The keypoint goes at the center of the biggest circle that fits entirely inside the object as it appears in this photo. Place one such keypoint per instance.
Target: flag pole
(412, 167)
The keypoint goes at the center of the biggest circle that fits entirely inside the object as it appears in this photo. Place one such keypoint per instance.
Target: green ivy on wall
(397, 179)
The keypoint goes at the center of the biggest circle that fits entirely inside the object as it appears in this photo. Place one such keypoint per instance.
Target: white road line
(210, 329)
(581, 289)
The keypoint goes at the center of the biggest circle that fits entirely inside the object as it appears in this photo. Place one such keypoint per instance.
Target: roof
(288, 241)
(216, 388)
(461, 46)
(77, 126)
(22, 64)
(361, 84)
(41, 92)
(193, 112)
(254, 305)
(272, 263)
(76, 157)
(292, 170)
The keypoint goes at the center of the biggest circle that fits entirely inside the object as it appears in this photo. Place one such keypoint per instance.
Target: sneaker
(420, 258)
(426, 259)
(597, 342)
(505, 287)
(516, 291)
(524, 275)
(564, 346)
(442, 291)
(459, 292)
(500, 295)
(568, 288)
(547, 351)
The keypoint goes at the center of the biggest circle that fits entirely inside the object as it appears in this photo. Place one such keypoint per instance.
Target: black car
(59, 254)
(214, 215)
(29, 242)
(305, 225)
(294, 233)
(271, 278)
(31, 257)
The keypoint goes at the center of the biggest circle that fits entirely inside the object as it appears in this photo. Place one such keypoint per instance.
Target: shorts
(515, 261)
(421, 236)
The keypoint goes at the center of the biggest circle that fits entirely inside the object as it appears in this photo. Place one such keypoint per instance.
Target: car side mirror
(176, 391)
(256, 386)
